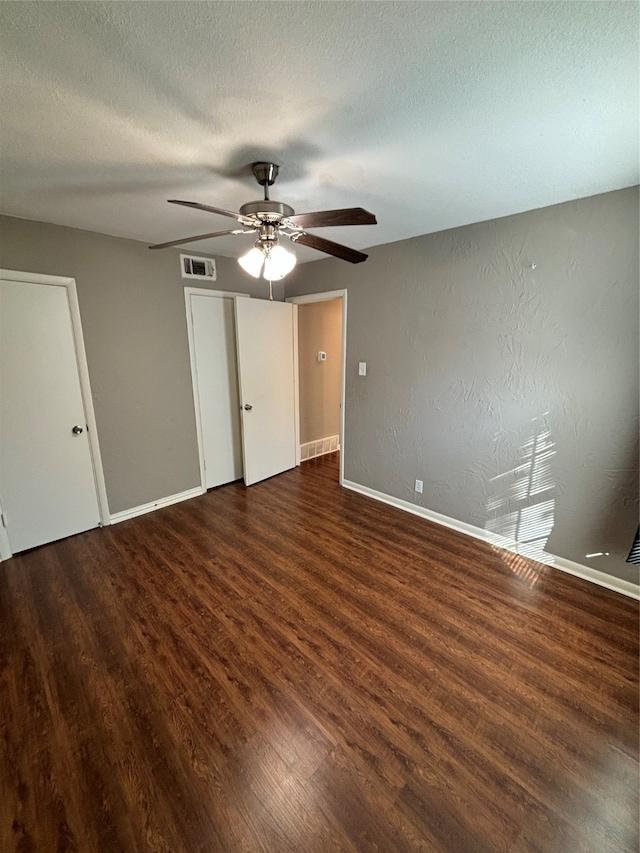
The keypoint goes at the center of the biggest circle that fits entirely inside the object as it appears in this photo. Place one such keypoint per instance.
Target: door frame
(188, 293)
(325, 296)
(69, 284)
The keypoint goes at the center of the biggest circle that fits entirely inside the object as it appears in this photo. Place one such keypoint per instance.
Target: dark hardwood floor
(295, 667)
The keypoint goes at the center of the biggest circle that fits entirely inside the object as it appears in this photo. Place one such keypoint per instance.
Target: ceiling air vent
(201, 268)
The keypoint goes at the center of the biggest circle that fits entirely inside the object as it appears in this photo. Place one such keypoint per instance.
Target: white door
(47, 485)
(265, 369)
(216, 385)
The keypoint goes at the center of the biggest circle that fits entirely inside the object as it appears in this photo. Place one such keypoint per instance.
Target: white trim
(35, 277)
(188, 293)
(296, 386)
(5, 547)
(627, 588)
(587, 573)
(325, 297)
(83, 372)
(153, 505)
(319, 447)
(344, 384)
(207, 291)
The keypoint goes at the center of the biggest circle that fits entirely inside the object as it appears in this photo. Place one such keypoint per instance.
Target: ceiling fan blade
(331, 248)
(325, 218)
(209, 209)
(197, 237)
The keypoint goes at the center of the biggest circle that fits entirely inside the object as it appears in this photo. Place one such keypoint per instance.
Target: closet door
(47, 482)
(214, 362)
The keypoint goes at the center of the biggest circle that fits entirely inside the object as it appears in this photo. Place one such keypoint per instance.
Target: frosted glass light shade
(252, 261)
(278, 263)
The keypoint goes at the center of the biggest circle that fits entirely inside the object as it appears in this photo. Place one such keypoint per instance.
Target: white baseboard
(311, 449)
(5, 548)
(150, 507)
(585, 572)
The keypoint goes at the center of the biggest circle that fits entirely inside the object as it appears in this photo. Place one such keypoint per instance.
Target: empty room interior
(319, 419)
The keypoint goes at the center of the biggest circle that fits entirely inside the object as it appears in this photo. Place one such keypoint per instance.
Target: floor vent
(311, 449)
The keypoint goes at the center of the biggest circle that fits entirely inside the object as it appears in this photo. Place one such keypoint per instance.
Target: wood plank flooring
(295, 667)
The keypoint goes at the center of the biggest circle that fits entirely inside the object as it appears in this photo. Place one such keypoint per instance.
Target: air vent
(318, 448)
(201, 268)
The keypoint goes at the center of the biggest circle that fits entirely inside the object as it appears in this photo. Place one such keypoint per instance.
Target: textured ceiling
(429, 114)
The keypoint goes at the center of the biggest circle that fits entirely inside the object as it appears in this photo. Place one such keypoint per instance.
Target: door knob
(76, 430)
(247, 407)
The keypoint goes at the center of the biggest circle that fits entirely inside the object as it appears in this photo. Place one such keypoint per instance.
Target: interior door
(264, 332)
(214, 351)
(47, 484)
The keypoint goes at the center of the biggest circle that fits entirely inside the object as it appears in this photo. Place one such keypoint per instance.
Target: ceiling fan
(272, 220)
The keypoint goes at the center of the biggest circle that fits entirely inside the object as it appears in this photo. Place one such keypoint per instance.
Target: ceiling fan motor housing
(266, 210)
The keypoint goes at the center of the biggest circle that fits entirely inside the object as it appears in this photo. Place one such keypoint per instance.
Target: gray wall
(474, 354)
(133, 320)
(320, 329)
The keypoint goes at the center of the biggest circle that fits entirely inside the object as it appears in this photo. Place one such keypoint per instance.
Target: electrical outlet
(362, 368)
(418, 487)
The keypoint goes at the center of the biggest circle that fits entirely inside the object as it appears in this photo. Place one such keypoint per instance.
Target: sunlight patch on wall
(521, 510)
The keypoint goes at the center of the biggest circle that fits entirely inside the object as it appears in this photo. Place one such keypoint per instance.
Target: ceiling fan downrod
(265, 174)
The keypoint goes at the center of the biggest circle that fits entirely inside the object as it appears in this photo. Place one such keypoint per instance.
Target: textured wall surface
(503, 371)
(320, 329)
(135, 333)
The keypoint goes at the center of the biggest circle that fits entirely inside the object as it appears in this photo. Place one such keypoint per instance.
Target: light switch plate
(362, 368)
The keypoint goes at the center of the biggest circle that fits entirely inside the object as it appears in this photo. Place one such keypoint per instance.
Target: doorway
(321, 320)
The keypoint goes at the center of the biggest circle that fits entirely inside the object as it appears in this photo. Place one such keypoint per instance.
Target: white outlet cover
(362, 368)
(418, 487)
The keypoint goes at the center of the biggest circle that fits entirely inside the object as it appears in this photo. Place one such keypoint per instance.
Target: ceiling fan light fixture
(273, 219)
(278, 263)
(252, 262)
